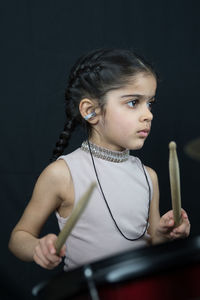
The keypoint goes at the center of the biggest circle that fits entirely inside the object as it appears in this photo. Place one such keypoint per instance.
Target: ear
(88, 106)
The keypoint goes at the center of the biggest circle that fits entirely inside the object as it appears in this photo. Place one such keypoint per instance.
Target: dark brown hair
(93, 76)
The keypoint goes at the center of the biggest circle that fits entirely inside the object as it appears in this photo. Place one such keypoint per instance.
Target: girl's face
(127, 120)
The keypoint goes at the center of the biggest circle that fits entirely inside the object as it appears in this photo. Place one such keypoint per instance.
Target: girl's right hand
(45, 252)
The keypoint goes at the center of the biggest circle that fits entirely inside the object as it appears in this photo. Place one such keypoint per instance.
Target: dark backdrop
(40, 40)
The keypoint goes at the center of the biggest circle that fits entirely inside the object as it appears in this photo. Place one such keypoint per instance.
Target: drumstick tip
(172, 145)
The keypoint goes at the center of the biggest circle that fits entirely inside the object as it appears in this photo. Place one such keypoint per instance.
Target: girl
(112, 93)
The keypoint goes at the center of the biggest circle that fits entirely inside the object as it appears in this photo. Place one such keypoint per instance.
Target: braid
(64, 138)
(88, 63)
(92, 77)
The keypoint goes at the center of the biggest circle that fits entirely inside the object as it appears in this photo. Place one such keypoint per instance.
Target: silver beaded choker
(103, 153)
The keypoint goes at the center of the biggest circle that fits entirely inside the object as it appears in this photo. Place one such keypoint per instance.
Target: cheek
(122, 123)
(114, 120)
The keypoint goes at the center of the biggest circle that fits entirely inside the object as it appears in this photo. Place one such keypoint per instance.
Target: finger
(167, 223)
(51, 246)
(184, 214)
(41, 257)
(40, 262)
(62, 251)
(48, 248)
(44, 260)
(44, 249)
(184, 225)
(182, 231)
(177, 235)
(170, 213)
(172, 235)
(50, 241)
(45, 253)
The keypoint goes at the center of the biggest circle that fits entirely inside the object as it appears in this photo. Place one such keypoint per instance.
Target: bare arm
(154, 216)
(162, 228)
(49, 194)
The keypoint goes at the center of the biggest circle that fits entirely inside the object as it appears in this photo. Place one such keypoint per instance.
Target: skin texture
(125, 124)
(126, 115)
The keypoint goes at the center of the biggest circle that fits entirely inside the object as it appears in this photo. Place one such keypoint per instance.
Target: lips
(144, 132)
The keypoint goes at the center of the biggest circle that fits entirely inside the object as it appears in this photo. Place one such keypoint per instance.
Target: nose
(146, 114)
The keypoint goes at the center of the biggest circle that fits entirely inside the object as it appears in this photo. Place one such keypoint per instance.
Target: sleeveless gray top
(95, 235)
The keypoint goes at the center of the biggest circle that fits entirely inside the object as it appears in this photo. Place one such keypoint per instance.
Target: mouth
(144, 132)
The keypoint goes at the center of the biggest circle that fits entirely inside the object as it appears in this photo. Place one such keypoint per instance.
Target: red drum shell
(167, 271)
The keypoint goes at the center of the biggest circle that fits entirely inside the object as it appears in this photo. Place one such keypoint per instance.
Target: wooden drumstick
(63, 235)
(175, 183)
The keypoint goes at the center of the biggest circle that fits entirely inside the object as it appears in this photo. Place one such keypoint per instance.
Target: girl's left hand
(166, 227)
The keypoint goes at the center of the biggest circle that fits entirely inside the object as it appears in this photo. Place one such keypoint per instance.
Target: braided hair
(93, 76)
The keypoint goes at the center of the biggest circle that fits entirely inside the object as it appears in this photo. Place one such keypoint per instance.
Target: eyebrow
(137, 95)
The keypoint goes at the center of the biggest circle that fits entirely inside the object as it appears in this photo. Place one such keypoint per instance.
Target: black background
(40, 41)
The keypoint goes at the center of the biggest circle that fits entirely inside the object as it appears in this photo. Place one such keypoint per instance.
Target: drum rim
(175, 254)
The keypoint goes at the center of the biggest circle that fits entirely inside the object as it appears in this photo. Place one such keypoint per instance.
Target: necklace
(106, 202)
(103, 153)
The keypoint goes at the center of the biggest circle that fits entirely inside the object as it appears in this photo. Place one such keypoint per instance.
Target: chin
(137, 146)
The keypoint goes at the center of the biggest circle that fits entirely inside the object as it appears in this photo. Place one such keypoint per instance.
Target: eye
(150, 104)
(132, 103)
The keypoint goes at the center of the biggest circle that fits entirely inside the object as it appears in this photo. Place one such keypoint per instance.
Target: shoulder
(154, 179)
(76, 154)
(55, 177)
(152, 174)
(56, 170)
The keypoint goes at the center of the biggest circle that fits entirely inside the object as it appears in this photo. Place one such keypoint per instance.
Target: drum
(165, 271)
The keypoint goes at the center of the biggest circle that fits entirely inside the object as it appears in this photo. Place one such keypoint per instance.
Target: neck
(105, 153)
(106, 145)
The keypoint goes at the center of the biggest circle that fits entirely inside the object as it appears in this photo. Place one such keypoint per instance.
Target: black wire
(129, 239)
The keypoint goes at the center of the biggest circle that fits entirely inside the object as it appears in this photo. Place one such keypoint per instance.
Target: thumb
(166, 221)
(63, 251)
